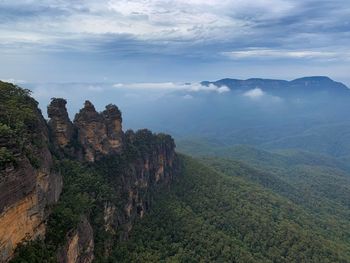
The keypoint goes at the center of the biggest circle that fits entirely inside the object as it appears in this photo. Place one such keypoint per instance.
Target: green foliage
(87, 188)
(34, 252)
(5, 131)
(210, 217)
(18, 122)
(241, 214)
(318, 183)
(84, 191)
(16, 106)
(6, 157)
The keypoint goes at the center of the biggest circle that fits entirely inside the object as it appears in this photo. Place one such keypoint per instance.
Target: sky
(162, 41)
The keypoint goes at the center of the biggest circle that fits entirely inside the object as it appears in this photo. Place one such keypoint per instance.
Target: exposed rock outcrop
(136, 164)
(113, 121)
(80, 245)
(28, 184)
(156, 166)
(60, 125)
(99, 133)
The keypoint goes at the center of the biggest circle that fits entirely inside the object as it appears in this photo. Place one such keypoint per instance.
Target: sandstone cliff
(80, 245)
(28, 183)
(134, 163)
(99, 133)
(108, 182)
(60, 124)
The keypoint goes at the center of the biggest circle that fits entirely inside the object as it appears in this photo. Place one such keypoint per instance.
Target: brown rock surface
(26, 188)
(140, 162)
(99, 133)
(80, 245)
(60, 125)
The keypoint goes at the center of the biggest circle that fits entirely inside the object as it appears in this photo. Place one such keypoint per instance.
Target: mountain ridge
(310, 81)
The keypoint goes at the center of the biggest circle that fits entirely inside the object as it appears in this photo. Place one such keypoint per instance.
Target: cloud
(179, 39)
(254, 94)
(223, 89)
(279, 53)
(258, 94)
(64, 24)
(148, 85)
(14, 81)
(164, 86)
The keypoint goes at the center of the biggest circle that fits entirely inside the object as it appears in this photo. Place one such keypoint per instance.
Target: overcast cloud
(161, 40)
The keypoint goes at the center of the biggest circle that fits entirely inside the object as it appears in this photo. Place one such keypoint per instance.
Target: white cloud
(147, 85)
(51, 32)
(166, 20)
(258, 94)
(223, 89)
(14, 81)
(190, 87)
(278, 53)
(254, 94)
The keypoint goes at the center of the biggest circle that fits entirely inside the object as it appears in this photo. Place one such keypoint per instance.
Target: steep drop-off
(28, 183)
(114, 183)
(107, 179)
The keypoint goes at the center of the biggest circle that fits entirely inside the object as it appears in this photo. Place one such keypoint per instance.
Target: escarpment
(74, 188)
(133, 165)
(28, 182)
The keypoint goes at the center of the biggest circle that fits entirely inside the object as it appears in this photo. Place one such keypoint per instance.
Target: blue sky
(121, 41)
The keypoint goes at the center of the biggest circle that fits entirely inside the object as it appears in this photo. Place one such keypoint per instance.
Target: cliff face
(96, 205)
(153, 166)
(80, 245)
(28, 183)
(134, 165)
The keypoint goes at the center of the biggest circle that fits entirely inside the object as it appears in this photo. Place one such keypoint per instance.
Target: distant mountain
(309, 114)
(310, 83)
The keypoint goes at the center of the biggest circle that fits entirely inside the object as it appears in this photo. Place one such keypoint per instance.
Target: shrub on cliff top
(16, 106)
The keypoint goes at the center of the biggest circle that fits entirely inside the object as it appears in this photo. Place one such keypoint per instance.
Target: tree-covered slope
(318, 183)
(208, 216)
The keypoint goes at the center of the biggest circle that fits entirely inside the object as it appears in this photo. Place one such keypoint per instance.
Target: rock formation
(150, 161)
(60, 124)
(99, 133)
(136, 163)
(113, 121)
(80, 245)
(27, 185)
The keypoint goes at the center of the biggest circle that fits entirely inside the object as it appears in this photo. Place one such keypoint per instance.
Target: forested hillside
(210, 216)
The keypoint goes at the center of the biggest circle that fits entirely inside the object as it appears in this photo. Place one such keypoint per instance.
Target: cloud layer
(254, 94)
(92, 33)
(166, 86)
(93, 24)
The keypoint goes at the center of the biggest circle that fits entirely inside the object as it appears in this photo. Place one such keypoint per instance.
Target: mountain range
(315, 83)
(309, 114)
